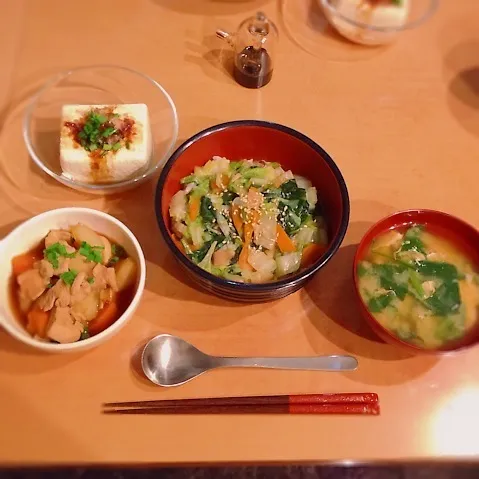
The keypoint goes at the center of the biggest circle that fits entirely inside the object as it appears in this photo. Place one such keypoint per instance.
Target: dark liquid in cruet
(253, 68)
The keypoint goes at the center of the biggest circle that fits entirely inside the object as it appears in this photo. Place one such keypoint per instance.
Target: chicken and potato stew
(73, 285)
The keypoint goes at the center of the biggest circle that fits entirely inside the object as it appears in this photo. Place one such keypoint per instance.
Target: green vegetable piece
(444, 271)
(69, 276)
(91, 253)
(108, 131)
(291, 191)
(448, 330)
(362, 270)
(107, 147)
(228, 197)
(85, 333)
(446, 299)
(388, 278)
(91, 280)
(207, 211)
(412, 242)
(378, 303)
(54, 251)
(116, 146)
(198, 255)
(118, 250)
(416, 284)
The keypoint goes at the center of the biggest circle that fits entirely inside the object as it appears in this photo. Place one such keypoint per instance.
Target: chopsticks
(335, 403)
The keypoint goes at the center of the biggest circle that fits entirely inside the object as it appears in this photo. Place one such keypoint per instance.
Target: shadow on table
(333, 310)
(463, 88)
(211, 7)
(214, 57)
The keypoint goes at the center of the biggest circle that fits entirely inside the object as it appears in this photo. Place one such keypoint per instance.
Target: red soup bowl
(259, 140)
(464, 236)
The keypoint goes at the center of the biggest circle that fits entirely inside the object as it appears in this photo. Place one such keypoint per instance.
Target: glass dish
(102, 84)
(360, 30)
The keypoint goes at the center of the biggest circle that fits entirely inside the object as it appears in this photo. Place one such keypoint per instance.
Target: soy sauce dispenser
(254, 47)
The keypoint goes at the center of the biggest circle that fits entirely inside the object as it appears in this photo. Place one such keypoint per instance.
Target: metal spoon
(170, 361)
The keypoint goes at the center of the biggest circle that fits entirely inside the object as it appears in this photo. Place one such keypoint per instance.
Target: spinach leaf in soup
(362, 270)
(412, 240)
(393, 277)
(448, 330)
(378, 303)
(444, 271)
(207, 211)
(446, 299)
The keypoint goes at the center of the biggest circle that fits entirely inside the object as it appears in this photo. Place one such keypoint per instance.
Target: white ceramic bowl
(30, 233)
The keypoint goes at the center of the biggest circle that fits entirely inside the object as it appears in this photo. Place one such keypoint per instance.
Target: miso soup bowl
(258, 140)
(29, 234)
(464, 236)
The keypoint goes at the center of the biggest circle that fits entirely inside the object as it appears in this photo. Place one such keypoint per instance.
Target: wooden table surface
(401, 122)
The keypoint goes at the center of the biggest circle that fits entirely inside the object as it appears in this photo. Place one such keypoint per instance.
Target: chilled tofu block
(104, 143)
(387, 15)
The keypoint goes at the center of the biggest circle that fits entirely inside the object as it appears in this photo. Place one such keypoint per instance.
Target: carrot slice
(23, 262)
(311, 253)
(285, 243)
(243, 257)
(219, 183)
(236, 216)
(37, 322)
(194, 207)
(105, 318)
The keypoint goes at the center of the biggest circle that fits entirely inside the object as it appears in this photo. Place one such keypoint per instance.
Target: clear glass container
(98, 85)
(373, 22)
(254, 45)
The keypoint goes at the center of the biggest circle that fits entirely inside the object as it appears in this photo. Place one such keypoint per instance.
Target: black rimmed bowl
(264, 141)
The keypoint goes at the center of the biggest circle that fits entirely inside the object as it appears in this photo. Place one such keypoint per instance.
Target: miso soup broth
(420, 286)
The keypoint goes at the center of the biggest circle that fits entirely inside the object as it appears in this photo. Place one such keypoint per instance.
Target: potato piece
(125, 271)
(81, 265)
(88, 308)
(84, 233)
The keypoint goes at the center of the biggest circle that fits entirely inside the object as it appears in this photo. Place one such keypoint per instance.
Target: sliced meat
(106, 253)
(32, 284)
(63, 266)
(47, 300)
(61, 291)
(55, 236)
(75, 289)
(179, 228)
(45, 268)
(80, 289)
(99, 276)
(223, 256)
(63, 328)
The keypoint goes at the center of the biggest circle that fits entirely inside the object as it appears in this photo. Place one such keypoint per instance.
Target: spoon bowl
(170, 361)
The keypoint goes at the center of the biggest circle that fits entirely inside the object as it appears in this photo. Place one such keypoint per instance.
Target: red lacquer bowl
(461, 234)
(259, 140)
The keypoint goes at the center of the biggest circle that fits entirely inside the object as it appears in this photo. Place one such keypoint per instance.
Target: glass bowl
(368, 29)
(101, 84)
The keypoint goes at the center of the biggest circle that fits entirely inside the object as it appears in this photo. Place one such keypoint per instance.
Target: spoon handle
(313, 363)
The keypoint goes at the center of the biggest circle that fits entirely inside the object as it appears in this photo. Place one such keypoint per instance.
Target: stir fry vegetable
(248, 221)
